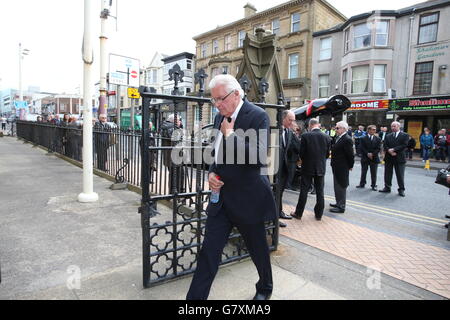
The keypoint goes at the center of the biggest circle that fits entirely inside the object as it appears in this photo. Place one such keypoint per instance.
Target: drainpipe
(411, 21)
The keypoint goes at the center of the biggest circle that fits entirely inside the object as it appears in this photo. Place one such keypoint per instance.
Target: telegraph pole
(102, 107)
(88, 194)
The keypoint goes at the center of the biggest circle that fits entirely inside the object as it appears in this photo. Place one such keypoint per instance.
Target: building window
(227, 42)
(241, 37)
(293, 66)
(361, 37)
(382, 33)
(188, 64)
(214, 72)
(423, 78)
(324, 86)
(428, 28)
(276, 26)
(360, 79)
(225, 70)
(325, 48)
(295, 22)
(379, 78)
(204, 48)
(344, 81)
(346, 41)
(215, 46)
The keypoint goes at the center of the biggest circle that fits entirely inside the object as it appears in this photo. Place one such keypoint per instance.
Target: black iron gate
(171, 238)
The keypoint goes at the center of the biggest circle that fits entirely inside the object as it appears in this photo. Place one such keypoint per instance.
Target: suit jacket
(314, 151)
(246, 194)
(342, 159)
(399, 144)
(370, 146)
(291, 151)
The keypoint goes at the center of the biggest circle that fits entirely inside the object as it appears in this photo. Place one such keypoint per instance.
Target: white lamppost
(88, 194)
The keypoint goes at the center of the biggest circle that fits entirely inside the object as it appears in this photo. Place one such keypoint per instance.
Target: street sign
(133, 93)
(124, 71)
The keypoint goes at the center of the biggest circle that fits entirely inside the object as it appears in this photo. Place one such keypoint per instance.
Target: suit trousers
(340, 193)
(305, 184)
(399, 172)
(218, 229)
(373, 173)
(284, 183)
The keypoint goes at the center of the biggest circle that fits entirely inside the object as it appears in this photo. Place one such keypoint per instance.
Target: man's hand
(227, 127)
(392, 152)
(214, 183)
(370, 156)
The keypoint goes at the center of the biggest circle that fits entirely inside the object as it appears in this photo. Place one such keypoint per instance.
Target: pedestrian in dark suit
(101, 141)
(290, 148)
(394, 146)
(342, 161)
(246, 199)
(370, 148)
(314, 151)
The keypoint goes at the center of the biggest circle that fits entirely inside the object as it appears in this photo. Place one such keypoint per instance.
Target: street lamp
(22, 53)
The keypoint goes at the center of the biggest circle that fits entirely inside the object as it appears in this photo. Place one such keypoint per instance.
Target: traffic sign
(124, 71)
(133, 93)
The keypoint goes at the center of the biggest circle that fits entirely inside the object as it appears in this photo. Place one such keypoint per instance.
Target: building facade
(293, 23)
(380, 57)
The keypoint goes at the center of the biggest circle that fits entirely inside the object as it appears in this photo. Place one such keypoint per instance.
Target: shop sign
(369, 105)
(417, 104)
(431, 52)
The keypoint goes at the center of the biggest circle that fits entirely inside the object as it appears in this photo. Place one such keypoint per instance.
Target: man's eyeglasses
(219, 100)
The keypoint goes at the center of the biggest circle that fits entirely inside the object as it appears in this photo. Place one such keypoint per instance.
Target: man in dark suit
(246, 199)
(290, 148)
(394, 146)
(314, 151)
(370, 148)
(342, 161)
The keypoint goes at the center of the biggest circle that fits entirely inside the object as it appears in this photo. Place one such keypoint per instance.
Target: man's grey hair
(313, 122)
(342, 124)
(396, 123)
(285, 114)
(228, 81)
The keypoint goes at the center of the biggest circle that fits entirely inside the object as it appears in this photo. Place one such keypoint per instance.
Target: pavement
(53, 247)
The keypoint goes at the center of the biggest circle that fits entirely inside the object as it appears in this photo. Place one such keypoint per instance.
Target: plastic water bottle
(215, 194)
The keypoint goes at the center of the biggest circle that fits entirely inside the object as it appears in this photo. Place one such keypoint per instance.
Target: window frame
(227, 45)
(204, 50)
(367, 23)
(330, 49)
(239, 38)
(215, 46)
(291, 65)
(272, 26)
(415, 91)
(368, 79)
(384, 79)
(344, 81)
(327, 86)
(428, 24)
(295, 22)
(387, 33)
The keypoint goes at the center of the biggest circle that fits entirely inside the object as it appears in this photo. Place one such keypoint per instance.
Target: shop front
(418, 113)
(368, 112)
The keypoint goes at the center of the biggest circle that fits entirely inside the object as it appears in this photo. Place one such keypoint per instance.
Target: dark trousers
(373, 173)
(399, 168)
(340, 193)
(102, 155)
(305, 184)
(218, 229)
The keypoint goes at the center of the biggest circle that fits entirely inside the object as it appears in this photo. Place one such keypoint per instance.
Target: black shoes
(282, 224)
(360, 186)
(318, 218)
(295, 216)
(337, 210)
(333, 205)
(262, 296)
(401, 193)
(374, 188)
(385, 190)
(284, 216)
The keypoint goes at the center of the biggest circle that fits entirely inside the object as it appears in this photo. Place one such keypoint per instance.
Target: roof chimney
(249, 10)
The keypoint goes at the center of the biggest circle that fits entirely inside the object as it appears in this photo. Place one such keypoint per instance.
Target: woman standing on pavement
(426, 142)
